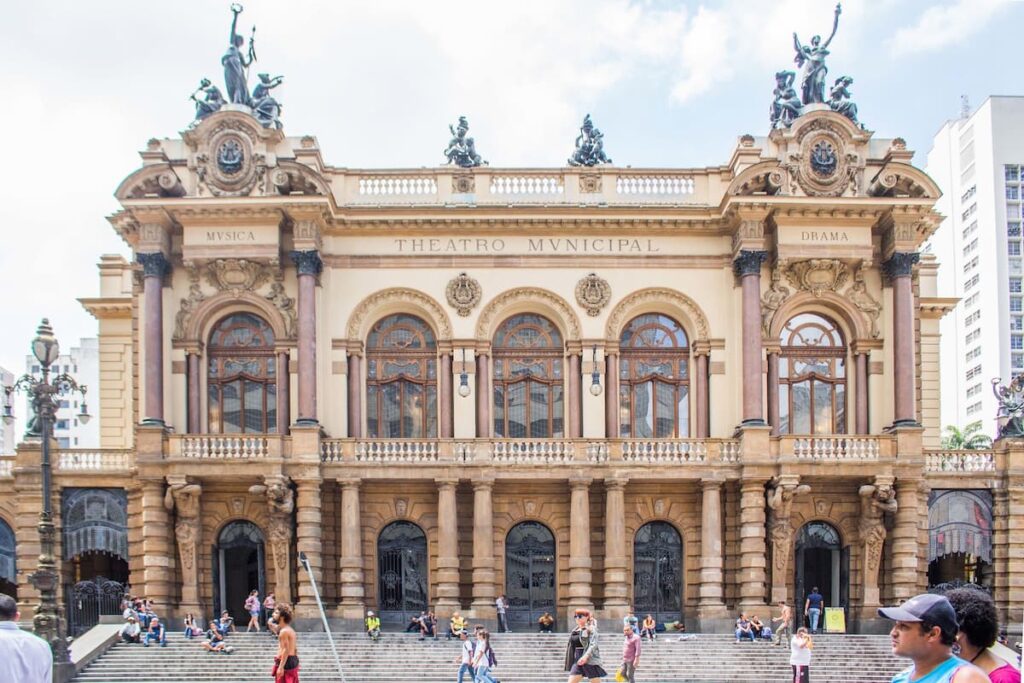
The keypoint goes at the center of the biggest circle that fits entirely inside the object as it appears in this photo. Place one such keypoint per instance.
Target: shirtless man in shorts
(286, 663)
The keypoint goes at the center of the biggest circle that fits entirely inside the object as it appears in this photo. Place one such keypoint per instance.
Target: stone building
(688, 392)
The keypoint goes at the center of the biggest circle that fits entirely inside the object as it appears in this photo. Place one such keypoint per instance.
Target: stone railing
(837, 447)
(396, 451)
(6, 466)
(489, 185)
(106, 460)
(542, 451)
(673, 451)
(225, 446)
(966, 461)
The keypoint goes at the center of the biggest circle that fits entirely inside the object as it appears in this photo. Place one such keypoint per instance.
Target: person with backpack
(483, 658)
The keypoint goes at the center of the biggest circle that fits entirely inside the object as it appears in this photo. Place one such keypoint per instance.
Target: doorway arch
(401, 572)
(822, 562)
(529, 574)
(239, 566)
(658, 572)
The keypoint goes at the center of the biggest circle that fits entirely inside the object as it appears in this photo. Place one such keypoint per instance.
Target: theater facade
(683, 391)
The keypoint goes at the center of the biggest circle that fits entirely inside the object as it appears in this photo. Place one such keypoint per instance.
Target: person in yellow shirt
(373, 626)
(456, 625)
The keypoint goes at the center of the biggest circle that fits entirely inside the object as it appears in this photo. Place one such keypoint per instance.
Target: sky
(670, 83)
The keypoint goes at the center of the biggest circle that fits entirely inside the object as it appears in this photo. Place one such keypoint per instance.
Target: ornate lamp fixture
(595, 377)
(464, 378)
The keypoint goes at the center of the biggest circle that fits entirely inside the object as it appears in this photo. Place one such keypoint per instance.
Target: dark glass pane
(412, 411)
(214, 408)
(253, 407)
(271, 407)
(558, 409)
(840, 390)
(391, 409)
(665, 410)
(516, 412)
(539, 424)
(372, 417)
(431, 417)
(232, 402)
(822, 408)
(499, 410)
(643, 410)
(625, 427)
(801, 417)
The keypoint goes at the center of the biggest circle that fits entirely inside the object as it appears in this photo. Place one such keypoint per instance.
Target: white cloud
(944, 25)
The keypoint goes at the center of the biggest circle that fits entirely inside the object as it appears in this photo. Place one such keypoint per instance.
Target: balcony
(838, 447)
(961, 462)
(225, 446)
(108, 460)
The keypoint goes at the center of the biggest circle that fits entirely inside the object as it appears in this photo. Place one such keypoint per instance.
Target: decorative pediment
(293, 178)
(765, 178)
(903, 180)
(158, 180)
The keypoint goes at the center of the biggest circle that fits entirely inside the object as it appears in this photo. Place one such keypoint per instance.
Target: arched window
(8, 573)
(242, 382)
(654, 379)
(401, 379)
(812, 377)
(528, 378)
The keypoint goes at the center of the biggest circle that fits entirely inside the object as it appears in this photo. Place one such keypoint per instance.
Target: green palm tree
(969, 438)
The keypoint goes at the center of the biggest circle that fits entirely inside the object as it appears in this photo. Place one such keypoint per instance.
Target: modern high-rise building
(82, 363)
(978, 161)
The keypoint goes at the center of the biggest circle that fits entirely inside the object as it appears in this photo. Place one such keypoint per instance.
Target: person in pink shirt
(630, 653)
(979, 626)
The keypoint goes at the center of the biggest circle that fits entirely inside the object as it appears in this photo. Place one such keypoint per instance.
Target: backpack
(491, 659)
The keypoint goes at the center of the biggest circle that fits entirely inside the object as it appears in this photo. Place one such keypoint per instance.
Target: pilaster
(616, 569)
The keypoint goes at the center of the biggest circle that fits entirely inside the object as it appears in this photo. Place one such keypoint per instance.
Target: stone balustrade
(105, 460)
(488, 185)
(396, 451)
(540, 451)
(835, 447)
(225, 446)
(966, 461)
(672, 451)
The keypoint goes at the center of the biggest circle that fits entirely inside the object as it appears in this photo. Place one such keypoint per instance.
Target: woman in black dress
(582, 656)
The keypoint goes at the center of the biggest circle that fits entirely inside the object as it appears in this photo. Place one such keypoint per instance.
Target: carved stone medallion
(818, 275)
(529, 507)
(463, 184)
(401, 507)
(590, 183)
(464, 293)
(227, 163)
(824, 167)
(593, 293)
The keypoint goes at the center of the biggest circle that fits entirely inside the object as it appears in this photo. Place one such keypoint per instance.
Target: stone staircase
(522, 658)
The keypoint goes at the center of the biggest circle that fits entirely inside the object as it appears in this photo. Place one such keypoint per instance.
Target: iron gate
(402, 572)
(657, 572)
(529, 574)
(87, 600)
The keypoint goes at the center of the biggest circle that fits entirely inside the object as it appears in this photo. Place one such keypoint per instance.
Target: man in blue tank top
(925, 631)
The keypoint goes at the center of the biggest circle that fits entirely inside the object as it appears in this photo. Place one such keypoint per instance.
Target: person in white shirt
(24, 657)
(465, 660)
(131, 632)
(501, 604)
(800, 646)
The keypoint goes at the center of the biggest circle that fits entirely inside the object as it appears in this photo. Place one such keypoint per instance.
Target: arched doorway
(94, 534)
(658, 572)
(529, 574)
(823, 563)
(960, 537)
(401, 572)
(8, 569)
(239, 566)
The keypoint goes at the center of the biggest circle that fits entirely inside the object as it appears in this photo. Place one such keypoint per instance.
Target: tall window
(242, 381)
(528, 387)
(812, 377)
(401, 379)
(654, 379)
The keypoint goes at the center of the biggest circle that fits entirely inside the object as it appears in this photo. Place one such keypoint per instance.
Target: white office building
(82, 363)
(978, 161)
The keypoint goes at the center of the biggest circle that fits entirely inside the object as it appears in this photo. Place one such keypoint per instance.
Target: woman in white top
(800, 656)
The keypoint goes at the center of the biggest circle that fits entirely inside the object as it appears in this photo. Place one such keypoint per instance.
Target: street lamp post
(42, 391)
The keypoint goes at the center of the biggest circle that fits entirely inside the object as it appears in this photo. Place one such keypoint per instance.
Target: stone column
(861, 401)
(308, 266)
(184, 499)
(575, 399)
(773, 392)
(158, 568)
(899, 268)
(611, 393)
(308, 537)
(747, 267)
(355, 393)
(701, 393)
(154, 267)
(753, 549)
(351, 561)
(283, 392)
(483, 396)
(444, 379)
(483, 549)
(616, 563)
(711, 593)
(905, 545)
(447, 549)
(195, 419)
(579, 546)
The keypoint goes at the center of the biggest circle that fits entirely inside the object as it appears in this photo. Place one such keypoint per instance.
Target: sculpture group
(264, 106)
(787, 104)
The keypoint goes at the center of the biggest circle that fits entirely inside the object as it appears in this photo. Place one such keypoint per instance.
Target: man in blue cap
(925, 631)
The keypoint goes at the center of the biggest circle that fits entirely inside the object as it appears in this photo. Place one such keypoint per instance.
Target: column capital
(483, 484)
(154, 264)
(900, 264)
(749, 262)
(709, 484)
(577, 483)
(350, 484)
(615, 483)
(307, 262)
(446, 483)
